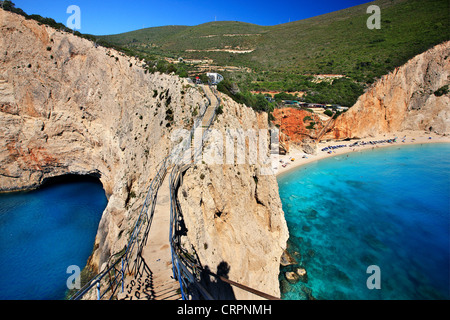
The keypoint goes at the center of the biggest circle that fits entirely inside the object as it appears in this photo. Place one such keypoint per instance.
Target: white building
(214, 78)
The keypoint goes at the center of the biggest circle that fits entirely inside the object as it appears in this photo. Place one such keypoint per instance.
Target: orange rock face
(294, 122)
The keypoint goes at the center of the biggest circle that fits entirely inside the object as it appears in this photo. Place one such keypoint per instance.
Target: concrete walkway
(157, 252)
(210, 111)
(155, 281)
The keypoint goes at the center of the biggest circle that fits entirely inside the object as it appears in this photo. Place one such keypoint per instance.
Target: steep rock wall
(403, 100)
(217, 198)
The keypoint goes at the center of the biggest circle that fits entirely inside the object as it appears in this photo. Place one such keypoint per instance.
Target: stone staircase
(150, 286)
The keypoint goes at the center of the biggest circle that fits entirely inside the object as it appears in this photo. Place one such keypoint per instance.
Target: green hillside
(156, 35)
(284, 56)
(337, 43)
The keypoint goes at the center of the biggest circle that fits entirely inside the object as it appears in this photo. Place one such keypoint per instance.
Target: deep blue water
(42, 233)
(389, 207)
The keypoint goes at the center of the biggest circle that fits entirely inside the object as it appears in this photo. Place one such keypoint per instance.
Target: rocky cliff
(404, 99)
(70, 107)
(233, 211)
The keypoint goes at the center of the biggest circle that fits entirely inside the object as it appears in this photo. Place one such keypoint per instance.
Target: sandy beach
(402, 138)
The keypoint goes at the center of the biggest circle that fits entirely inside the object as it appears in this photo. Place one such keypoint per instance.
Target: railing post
(173, 264)
(123, 273)
(180, 281)
(98, 290)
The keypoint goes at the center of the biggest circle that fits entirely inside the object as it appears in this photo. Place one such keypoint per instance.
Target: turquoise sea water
(42, 233)
(388, 207)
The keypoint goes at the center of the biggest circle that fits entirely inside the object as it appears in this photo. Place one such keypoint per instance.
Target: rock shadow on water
(309, 213)
(357, 185)
(338, 275)
(374, 242)
(368, 259)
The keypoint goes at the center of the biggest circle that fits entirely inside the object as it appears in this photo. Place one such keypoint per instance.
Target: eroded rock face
(68, 107)
(403, 100)
(233, 212)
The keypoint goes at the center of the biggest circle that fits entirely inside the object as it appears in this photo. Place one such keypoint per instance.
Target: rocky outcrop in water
(406, 99)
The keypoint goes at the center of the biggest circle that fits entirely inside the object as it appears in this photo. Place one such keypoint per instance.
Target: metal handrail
(179, 265)
(185, 271)
(124, 257)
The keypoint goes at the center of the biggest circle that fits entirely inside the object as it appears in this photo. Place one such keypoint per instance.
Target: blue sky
(114, 16)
